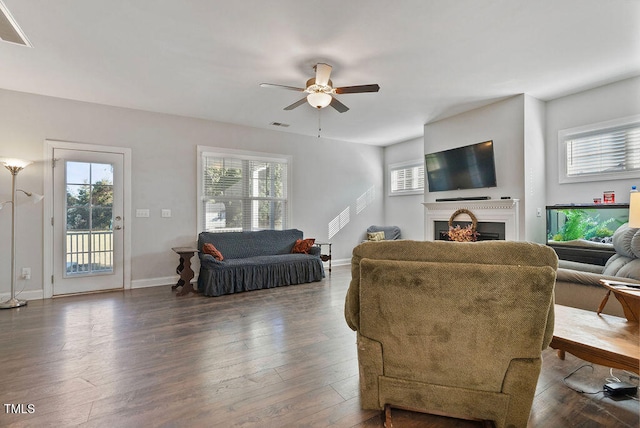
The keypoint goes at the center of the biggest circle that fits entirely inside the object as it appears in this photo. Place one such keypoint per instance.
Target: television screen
(467, 167)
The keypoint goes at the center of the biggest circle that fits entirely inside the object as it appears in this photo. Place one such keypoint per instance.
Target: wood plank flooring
(272, 358)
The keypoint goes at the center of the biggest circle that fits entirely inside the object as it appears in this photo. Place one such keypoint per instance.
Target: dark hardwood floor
(272, 358)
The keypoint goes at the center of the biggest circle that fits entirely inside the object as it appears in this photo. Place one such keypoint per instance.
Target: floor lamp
(15, 166)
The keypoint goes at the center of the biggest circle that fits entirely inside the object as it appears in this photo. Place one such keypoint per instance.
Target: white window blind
(242, 193)
(605, 153)
(406, 178)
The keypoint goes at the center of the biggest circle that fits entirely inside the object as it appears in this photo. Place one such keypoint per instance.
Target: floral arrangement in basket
(463, 234)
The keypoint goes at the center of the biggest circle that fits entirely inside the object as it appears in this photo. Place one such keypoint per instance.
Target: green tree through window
(90, 206)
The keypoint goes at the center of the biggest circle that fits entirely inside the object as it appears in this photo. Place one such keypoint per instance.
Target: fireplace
(497, 219)
(487, 230)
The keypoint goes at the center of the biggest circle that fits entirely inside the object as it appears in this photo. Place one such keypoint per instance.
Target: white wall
(534, 201)
(613, 101)
(502, 122)
(525, 134)
(516, 126)
(404, 211)
(328, 177)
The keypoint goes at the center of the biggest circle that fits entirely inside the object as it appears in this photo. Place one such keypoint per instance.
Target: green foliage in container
(582, 224)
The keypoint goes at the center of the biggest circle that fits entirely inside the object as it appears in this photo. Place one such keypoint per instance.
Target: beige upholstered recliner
(452, 328)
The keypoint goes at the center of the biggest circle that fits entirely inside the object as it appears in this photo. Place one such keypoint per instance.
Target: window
(605, 151)
(406, 178)
(242, 191)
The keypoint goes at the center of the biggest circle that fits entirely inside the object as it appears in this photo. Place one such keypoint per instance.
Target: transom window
(603, 151)
(242, 191)
(406, 178)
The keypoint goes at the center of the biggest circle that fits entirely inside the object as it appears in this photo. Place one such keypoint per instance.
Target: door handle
(118, 220)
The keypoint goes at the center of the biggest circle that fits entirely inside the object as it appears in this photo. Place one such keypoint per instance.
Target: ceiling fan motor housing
(312, 87)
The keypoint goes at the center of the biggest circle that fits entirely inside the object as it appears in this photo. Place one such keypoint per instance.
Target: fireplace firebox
(487, 231)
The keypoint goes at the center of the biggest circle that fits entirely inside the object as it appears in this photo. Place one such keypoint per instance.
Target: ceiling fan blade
(338, 105)
(323, 71)
(273, 85)
(357, 89)
(296, 104)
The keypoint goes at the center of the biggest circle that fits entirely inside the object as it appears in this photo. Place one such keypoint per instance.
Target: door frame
(48, 227)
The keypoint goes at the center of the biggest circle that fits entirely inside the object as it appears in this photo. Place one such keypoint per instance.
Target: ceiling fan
(321, 92)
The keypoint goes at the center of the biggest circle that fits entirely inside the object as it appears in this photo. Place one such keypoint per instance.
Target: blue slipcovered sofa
(255, 260)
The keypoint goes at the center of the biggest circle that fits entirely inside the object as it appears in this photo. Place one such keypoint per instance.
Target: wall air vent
(9, 29)
(280, 124)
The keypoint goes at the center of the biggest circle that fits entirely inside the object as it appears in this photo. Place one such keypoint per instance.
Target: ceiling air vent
(280, 124)
(9, 29)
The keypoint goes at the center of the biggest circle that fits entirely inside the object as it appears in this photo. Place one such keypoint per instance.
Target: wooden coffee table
(601, 339)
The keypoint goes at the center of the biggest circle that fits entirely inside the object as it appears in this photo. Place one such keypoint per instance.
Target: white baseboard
(171, 280)
(141, 283)
(25, 295)
(338, 262)
(157, 282)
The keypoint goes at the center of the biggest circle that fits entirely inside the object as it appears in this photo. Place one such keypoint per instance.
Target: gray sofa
(255, 260)
(577, 284)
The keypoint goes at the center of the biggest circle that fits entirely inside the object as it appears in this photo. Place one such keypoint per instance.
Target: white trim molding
(166, 281)
(600, 127)
(415, 163)
(27, 295)
(47, 262)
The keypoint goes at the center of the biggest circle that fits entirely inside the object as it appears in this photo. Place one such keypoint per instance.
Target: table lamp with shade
(15, 166)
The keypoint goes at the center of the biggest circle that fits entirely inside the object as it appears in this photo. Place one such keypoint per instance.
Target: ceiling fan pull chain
(319, 122)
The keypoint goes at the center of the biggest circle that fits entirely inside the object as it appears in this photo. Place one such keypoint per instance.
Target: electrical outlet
(26, 273)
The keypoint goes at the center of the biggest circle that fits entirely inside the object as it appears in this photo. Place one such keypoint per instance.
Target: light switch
(142, 213)
(166, 213)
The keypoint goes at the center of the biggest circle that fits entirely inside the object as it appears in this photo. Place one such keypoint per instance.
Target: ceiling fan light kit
(319, 99)
(321, 92)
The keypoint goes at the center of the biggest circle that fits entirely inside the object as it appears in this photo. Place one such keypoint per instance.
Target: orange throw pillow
(303, 245)
(210, 249)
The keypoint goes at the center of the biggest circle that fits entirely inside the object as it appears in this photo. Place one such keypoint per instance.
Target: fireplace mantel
(500, 210)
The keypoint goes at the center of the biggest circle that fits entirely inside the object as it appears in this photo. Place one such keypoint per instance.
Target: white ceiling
(431, 58)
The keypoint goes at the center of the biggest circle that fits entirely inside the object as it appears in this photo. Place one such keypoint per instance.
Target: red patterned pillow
(303, 245)
(210, 249)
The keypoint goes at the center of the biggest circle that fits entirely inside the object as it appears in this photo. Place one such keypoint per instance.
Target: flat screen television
(467, 167)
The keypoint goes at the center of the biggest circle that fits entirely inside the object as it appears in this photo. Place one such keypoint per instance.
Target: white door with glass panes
(88, 221)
